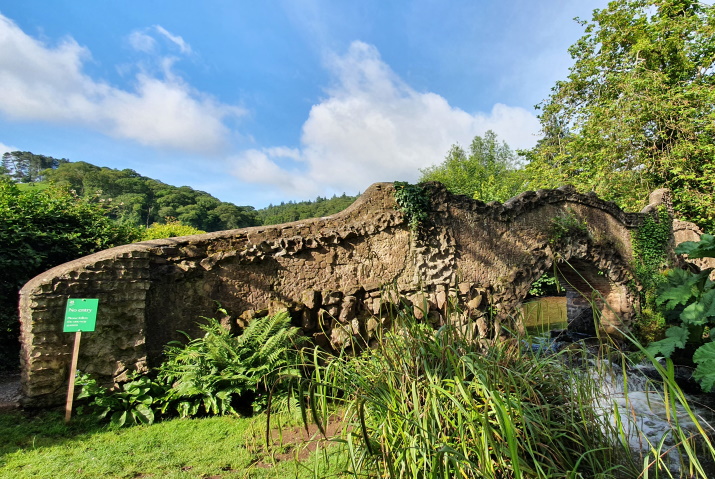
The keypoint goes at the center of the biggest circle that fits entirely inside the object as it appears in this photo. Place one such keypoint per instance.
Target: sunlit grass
(423, 403)
(223, 447)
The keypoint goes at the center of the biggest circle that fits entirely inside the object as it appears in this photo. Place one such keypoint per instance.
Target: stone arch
(328, 272)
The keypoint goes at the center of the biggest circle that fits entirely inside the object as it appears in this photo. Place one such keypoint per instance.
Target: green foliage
(567, 226)
(294, 211)
(132, 404)
(211, 375)
(26, 167)
(546, 285)
(704, 374)
(413, 201)
(427, 403)
(137, 200)
(635, 112)
(689, 299)
(218, 369)
(650, 248)
(488, 173)
(39, 229)
(171, 229)
(650, 251)
(705, 248)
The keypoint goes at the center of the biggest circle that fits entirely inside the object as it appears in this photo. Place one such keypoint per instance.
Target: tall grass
(428, 403)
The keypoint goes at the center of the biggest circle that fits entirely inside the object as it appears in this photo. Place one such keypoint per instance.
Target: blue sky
(263, 102)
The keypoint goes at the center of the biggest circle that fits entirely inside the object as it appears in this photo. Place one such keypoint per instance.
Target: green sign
(80, 315)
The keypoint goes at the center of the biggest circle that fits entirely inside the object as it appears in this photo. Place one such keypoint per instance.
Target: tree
(26, 167)
(40, 229)
(141, 201)
(489, 173)
(637, 110)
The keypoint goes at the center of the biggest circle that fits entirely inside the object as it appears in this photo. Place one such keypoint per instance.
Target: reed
(438, 404)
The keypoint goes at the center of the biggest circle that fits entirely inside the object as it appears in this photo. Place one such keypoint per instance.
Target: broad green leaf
(704, 374)
(680, 289)
(119, 418)
(705, 248)
(700, 312)
(675, 337)
(144, 414)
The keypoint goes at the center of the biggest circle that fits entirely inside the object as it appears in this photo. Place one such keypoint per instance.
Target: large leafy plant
(211, 375)
(220, 370)
(133, 403)
(689, 299)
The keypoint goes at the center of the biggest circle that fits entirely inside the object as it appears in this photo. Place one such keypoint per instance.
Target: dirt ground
(297, 443)
(9, 390)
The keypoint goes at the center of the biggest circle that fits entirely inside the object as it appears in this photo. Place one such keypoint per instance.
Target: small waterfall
(644, 414)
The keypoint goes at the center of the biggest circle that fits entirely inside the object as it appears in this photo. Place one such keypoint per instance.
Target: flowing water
(647, 416)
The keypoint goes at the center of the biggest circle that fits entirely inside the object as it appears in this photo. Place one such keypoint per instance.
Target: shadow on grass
(37, 429)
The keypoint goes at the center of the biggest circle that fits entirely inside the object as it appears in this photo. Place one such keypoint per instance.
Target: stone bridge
(336, 275)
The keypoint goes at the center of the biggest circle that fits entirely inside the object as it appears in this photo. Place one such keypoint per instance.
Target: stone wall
(336, 275)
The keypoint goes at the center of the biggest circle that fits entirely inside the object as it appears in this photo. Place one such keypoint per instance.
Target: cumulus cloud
(371, 127)
(47, 83)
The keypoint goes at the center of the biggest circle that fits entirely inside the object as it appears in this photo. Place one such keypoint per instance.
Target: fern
(213, 371)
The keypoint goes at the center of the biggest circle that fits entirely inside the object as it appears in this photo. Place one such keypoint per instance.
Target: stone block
(311, 298)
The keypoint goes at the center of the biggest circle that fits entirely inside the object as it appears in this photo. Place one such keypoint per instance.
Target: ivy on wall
(650, 252)
(413, 201)
(650, 247)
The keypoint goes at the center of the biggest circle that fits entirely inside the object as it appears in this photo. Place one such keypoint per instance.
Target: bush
(219, 370)
(40, 229)
(171, 229)
(215, 374)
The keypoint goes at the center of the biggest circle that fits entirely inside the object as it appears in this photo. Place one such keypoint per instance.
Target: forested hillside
(133, 199)
(294, 211)
(142, 201)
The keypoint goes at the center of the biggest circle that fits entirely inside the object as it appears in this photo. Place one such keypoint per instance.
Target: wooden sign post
(80, 315)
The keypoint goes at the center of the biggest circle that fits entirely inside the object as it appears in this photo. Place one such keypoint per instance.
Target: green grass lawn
(217, 447)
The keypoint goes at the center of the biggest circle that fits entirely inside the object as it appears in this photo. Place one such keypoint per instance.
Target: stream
(632, 398)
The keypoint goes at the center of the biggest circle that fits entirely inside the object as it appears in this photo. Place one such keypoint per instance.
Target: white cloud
(7, 149)
(184, 47)
(256, 166)
(142, 42)
(374, 127)
(44, 83)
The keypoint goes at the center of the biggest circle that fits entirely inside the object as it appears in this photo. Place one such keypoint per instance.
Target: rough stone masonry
(336, 275)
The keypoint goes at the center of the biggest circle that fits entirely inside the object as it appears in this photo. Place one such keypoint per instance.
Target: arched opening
(544, 307)
(595, 302)
(579, 297)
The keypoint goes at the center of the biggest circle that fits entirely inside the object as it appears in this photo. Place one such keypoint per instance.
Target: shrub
(211, 375)
(170, 229)
(40, 229)
(689, 299)
(217, 371)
